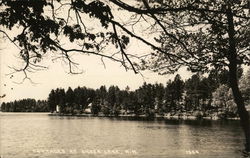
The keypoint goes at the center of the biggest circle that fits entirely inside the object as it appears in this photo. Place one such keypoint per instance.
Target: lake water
(37, 135)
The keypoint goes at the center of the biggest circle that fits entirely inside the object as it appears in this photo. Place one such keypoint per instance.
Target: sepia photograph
(124, 78)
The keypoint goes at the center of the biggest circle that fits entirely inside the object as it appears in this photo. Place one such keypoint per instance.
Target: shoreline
(145, 117)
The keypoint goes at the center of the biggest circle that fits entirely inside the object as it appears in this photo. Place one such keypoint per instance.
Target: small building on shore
(88, 109)
(58, 109)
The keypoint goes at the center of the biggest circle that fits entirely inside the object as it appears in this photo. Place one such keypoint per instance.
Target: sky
(56, 76)
(94, 73)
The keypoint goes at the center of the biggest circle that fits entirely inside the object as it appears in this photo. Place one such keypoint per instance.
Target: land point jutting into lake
(198, 97)
(208, 38)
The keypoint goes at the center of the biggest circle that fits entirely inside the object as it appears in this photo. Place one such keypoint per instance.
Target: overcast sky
(94, 75)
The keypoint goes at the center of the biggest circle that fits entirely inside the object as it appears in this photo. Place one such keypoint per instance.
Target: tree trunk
(233, 79)
(243, 114)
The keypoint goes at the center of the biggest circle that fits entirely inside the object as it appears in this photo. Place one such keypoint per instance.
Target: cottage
(88, 109)
(58, 109)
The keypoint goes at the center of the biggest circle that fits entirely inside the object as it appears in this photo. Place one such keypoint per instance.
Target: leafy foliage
(42, 30)
(223, 100)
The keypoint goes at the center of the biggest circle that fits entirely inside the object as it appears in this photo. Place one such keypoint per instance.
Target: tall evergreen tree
(52, 100)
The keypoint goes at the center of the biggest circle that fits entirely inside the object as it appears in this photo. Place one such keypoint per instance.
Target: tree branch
(162, 10)
(122, 50)
(11, 40)
(148, 43)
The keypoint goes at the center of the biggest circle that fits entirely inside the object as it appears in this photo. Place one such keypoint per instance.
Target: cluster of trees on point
(25, 105)
(199, 96)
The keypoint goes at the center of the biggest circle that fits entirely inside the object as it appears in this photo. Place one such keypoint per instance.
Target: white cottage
(88, 109)
(58, 109)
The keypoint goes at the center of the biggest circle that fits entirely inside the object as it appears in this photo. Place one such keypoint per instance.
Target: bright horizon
(94, 75)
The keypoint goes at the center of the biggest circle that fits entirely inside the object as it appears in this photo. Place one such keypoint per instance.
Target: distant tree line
(25, 105)
(200, 96)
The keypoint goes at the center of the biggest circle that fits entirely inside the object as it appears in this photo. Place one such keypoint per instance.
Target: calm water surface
(36, 135)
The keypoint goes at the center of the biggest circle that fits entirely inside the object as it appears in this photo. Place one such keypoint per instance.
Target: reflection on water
(39, 135)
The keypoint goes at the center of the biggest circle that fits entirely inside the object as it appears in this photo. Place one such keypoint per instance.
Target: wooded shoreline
(168, 117)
